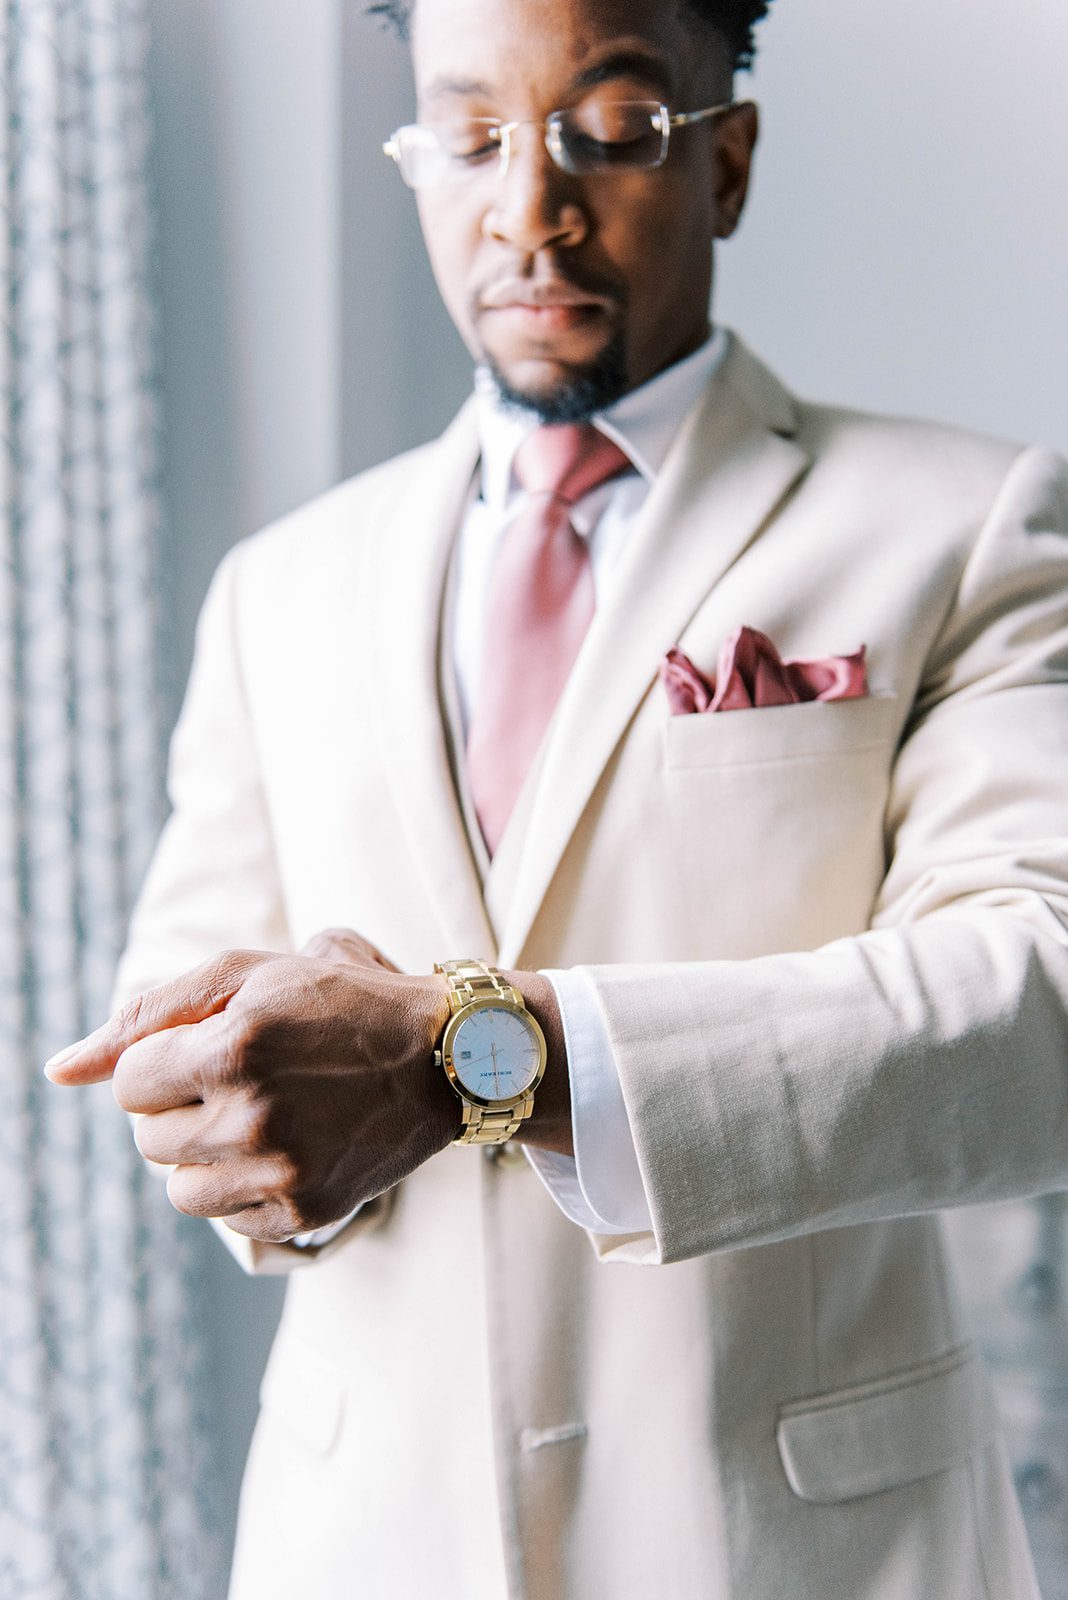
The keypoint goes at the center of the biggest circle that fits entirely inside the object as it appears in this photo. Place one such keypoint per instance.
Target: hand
(284, 1090)
(343, 944)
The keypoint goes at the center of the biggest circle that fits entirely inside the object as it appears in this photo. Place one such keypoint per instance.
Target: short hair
(734, 20)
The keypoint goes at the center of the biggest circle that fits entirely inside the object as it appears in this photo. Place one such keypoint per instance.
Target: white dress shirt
(601, 1187)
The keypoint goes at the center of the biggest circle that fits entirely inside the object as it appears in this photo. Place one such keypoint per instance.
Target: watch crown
(437, 1058)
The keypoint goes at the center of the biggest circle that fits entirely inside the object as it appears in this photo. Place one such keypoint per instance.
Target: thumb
(191, 998)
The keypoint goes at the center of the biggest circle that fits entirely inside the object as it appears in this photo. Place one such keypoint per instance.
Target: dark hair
(734, 20)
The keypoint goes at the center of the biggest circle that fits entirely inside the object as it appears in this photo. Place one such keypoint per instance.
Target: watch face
(495, 1054)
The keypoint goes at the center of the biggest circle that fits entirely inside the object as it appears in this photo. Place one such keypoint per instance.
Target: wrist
(549, 1125)
(426, 1011)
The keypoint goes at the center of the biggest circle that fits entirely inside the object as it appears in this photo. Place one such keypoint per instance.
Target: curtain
(1013, 1262)
(104, 1464)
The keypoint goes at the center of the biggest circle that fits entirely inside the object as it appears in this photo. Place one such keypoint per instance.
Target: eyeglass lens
(594, 137)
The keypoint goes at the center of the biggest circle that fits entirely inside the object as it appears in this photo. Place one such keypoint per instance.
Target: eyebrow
(628, 64)
(620, 64)
(460, 87)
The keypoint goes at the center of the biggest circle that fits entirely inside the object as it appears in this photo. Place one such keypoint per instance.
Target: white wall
(907, 242)
(907, 248)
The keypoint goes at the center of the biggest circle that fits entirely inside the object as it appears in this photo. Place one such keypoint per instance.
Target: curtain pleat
(104, 1460)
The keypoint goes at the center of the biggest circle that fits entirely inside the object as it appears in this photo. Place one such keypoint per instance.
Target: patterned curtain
(1013, 1263)
(102, 1469)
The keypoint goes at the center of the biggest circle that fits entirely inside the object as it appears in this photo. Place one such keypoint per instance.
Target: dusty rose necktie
(539, 604)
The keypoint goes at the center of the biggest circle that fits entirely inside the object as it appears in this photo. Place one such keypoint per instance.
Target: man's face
(575, 289)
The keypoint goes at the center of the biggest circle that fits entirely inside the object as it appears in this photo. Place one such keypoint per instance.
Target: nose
(534, 204)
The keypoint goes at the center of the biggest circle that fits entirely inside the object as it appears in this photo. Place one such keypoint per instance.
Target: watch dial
(495, 1054)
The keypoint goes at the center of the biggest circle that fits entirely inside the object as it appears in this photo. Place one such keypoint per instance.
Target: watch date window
(495, 1054)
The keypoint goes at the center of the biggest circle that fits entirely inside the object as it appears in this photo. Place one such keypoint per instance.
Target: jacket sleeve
(213, 882)
(922, 1063)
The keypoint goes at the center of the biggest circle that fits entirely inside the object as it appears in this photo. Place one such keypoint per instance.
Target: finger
(224, 1188)
(169, 1069)
(344, 944)
(269, 1223)
(188, 1136)
(188, 999)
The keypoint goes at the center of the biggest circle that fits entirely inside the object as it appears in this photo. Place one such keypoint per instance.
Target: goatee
(576, 398)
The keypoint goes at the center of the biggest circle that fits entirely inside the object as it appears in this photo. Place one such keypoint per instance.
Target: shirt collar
(643, 423)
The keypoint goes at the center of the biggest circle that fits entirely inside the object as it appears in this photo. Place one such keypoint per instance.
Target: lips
(546, 317)
(541, 295)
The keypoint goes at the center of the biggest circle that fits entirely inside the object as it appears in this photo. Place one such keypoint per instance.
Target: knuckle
(237, 1052)
(130, 1016)
(222, 974)
(255, 1125)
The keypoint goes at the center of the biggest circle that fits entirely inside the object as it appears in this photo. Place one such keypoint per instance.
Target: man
(807, 957)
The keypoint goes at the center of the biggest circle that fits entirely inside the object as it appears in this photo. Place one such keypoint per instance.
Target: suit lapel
(413, 540)
(731, 465)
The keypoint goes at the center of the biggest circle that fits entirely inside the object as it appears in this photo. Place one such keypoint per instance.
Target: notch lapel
(732, 464)
(412, 544)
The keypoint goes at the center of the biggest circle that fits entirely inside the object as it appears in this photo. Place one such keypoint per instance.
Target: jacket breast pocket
(776, 822)
(881, 1435)
(818, 730)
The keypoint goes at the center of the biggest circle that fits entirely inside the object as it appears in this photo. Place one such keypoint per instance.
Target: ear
(736, 137)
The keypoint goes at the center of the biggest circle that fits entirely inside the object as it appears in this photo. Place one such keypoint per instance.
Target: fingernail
(63, 1057)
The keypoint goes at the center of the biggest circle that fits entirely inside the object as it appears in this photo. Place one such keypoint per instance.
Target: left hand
(284, 1090)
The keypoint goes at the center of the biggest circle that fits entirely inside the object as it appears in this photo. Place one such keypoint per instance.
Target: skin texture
(638, 244)
(284, 1090)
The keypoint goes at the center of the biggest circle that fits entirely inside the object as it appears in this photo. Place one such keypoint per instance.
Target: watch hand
(496, 1079)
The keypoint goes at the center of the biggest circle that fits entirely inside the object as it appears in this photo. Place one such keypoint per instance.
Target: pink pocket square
(750, 673)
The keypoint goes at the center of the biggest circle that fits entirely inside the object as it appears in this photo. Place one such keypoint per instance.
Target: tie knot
(567, 460)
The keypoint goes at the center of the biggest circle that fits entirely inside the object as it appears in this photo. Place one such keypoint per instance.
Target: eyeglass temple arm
(681, 118)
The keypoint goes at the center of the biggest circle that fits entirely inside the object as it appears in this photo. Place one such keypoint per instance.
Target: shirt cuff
(601, 1188)
(317, 1237)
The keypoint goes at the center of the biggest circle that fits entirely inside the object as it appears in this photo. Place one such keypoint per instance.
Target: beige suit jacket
(829, 942)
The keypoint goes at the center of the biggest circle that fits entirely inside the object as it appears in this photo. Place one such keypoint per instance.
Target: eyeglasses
(600, 136)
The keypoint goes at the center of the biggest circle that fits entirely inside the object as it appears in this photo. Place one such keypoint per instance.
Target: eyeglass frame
(503, 131)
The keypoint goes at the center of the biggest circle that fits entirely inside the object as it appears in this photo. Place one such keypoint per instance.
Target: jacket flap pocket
(890, 1432)
(304, 1393)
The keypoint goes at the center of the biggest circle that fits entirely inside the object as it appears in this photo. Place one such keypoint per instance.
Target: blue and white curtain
(1014, 1273)
(102, 1466)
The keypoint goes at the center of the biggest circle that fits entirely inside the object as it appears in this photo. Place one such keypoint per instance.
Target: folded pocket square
(751, 673)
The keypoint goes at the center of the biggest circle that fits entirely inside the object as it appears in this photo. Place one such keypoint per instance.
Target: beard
(576, 398)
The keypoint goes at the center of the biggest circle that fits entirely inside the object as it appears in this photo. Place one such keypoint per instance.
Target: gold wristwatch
(492, 1050)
